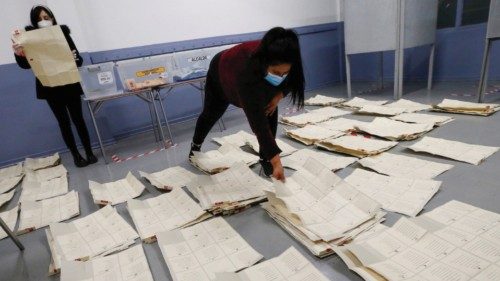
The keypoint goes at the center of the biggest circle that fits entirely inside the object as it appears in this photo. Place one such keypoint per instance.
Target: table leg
(165, 116)
(97, 132)
(11, 235)
(158, 120)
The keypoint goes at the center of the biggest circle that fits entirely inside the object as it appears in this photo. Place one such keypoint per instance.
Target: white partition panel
(420, 20)
(494, 20)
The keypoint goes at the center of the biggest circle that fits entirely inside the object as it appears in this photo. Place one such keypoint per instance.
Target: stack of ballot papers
(290, 265)
(341, 124)
(243, 138)
(401, 195)
(231, 191)
(357, 103)
(10, 219)
(313, 116)
(331, 161)
(34, 190)
(463, 107)
(34, 164)
(358, 146)
(456, 241)
(310, 134)
(216, 161)
(128, 265)
(45, 174)
(116, 192)
(38, 214)
(394, 130)
(164, 212)
(168, 179)
(7, 184)
(98, 234)
(321, 100)
(422, 118)
(469, 153)
(372, 109)
(12, 171)
(404, 166)
(409, 106)
(319, 209)
(200, 251)
(6, 197)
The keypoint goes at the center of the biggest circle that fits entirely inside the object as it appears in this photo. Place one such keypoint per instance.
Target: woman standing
(255, 76)
(64, 101)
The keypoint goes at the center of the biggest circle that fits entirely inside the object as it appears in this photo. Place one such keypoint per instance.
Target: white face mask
(45, 23)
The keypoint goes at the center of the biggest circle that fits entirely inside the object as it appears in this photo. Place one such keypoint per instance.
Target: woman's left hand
(74, 55)
(273, 104)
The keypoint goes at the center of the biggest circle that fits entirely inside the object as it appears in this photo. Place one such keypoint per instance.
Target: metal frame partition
(492, 34)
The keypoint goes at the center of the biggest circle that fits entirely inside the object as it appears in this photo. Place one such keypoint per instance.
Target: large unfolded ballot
(409, 106)
(164, 212)
(358, 146)
(129, 265)
(42, 163)
(38, 214)
(168, 179)
(394, 130)
(116, 192)
(395, 194)
(463, 107)
(34, 191)
(371, 109)
(6, 197)
(98, 234)
(341, 124)
(469, 153)
(243, 138)
(200, 251)
(12, 171)
(10, 219)
(456, 241)
(46, 174)
(357, 103)
(216, 161)
(323, 100)
(230, 191)
(313, 116)
(331, 161)
(9, 183)
(421, 118)
(290, 265)
(310, 134)
(404, 166)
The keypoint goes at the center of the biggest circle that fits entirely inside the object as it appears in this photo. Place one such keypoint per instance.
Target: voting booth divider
(492, 34)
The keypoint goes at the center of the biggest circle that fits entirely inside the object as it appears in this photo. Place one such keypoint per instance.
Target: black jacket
(43, 92)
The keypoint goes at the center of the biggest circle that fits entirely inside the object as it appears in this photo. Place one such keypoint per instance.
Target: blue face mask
(274, 79)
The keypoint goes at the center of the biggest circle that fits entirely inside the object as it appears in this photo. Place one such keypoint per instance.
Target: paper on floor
(46, 174)
(216, 161)
(168, 179)
(394, 130)
(371, 109)
(11, 171)
(313, 116)
(463, 107)
(341, 124)
(409, 106)
(331, 161)
(357, 103)
(358, 146)
(310, 134)
(9, 183)
(323, 100)
(34, 164)
(421, 118)
(10, 219)
(116, 192)
(6, 197)
(243, 138)
(34, 191)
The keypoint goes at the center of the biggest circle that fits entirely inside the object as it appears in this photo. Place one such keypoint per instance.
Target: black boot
(267, 168)
(91, 158)
(194, 147)
(79, 160)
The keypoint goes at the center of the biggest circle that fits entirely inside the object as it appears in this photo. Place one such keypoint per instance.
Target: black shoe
(80, 161)
(91, 159)
(267, 168)
(194, 147)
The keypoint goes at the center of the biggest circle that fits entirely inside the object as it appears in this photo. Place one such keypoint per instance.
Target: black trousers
(215, 105)
(67, 109)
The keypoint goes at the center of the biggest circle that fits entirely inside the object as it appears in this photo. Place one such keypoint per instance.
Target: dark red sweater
(243, 84)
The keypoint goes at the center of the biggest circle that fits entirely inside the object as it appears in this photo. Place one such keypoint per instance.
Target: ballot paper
(116, 192)
(49, 56)
(323, 100)
(404, 166)
(395, 194)
(313, 116)
(11, 171)
(34, 191)
(168, 179)
(394, 130)
(243, 138)
(129, 265)
(290, 265)
(331, 161)
(200, 251)
(98, 234)
(358, 146)
(341, 124)
(310, 134)
(235, 188)
(42, 163)
(357, 103)
(409, 106)
(164, 212)
(10, 219)
(38, 214)
(45, 174)
(371, 109)
(421, 118)
(216, 161)
(463, 107)
(469, 153)
(455, 241)
(9, 183)
(6, 197)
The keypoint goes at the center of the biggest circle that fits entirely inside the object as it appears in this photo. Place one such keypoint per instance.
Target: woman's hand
(74, 54)
(18, 49)
(278, 171)
(273, 104)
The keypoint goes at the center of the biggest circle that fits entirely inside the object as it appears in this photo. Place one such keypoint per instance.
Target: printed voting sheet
(422, 118)
(243, 138)
(116, 192)
(329, 160)
(310, 134)
(34, 164)
(321, 100)
(171, 178)
(394, 130)
(313, 116)
(216, 161)
(358, 146)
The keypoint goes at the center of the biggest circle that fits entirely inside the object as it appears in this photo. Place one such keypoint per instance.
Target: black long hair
(35, 13)
(278, 46)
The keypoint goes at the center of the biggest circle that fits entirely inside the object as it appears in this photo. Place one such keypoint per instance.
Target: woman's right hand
(278, 171)
(18, 48)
